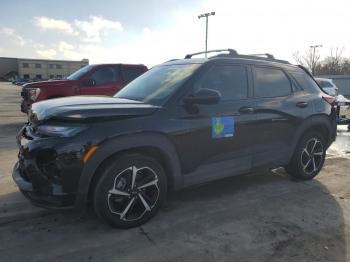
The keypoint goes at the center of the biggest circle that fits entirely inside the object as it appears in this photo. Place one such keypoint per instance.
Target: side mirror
(89, 82)
(204, 96)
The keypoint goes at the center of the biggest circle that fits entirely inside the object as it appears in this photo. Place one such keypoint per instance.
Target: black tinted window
(130, 73)
(270, 82)
(229, 80)
(105, 75)
(305, 81)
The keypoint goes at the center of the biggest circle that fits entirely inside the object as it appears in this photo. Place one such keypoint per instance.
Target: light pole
(206, 15)
(313, 57)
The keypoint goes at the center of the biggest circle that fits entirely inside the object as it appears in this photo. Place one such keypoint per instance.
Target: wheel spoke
(154, 182)
(313, 147)
(122, 215)
(307, 164)
(318, 153)
(144, 202)
(306, 152)
(118, 192)
(134, 171)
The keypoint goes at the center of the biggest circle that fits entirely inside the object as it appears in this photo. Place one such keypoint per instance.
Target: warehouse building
(38, 69)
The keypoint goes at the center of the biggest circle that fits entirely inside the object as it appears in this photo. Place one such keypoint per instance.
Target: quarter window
(305, 81)
(230, 80)
(271, 82)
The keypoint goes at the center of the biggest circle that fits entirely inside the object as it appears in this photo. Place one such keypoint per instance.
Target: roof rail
(265, 54)
(232, 52)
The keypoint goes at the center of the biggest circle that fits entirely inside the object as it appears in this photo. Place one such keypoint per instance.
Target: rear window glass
(271, 82)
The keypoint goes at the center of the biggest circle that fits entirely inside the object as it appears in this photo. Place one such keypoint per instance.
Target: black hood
(86, 107)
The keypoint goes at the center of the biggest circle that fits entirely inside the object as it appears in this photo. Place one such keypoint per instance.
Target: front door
(216, 139)
(104, 80)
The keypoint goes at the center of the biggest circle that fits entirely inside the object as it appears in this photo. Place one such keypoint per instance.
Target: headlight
(33, 93)
(61, 131)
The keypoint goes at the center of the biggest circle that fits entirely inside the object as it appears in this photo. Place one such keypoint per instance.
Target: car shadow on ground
(265, 216)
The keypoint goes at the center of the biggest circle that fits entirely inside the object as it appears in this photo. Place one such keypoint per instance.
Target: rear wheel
(130, 191)
(309, 156)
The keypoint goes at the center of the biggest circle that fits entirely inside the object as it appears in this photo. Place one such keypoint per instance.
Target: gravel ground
(264, 216)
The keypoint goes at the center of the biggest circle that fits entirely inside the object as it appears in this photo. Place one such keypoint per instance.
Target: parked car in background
(328, 86)
(101, 79)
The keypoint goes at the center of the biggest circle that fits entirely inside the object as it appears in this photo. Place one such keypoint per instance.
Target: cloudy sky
(152, 32)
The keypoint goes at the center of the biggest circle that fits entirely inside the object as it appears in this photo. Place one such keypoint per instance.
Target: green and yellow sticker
(222, 127)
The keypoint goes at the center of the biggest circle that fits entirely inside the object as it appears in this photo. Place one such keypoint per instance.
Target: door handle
(246, 110)
(302, 104)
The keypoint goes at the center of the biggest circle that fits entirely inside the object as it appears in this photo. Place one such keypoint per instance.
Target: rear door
(104, 80)
(217, 139)
(277, 115)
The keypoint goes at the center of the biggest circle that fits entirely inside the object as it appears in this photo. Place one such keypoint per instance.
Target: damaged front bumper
(47, 171)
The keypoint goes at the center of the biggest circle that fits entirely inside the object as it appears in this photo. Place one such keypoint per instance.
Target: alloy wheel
(134, 192)
(312, 156)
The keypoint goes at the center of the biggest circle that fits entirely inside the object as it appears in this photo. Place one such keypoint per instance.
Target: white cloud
(12, 35)
(47, 23)
(49, 53)
(68, 51)
(96, 27)
(64, 46)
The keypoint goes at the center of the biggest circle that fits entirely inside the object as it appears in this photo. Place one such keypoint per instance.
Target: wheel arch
(319, 123)
(155, 145)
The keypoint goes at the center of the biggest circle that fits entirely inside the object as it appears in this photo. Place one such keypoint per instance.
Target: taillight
(330, 99)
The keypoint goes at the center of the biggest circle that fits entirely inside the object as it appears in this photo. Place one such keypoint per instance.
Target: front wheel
(309, 156)
(130, 191)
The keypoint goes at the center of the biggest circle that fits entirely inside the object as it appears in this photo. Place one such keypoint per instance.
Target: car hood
(48, 83)
(88, 107)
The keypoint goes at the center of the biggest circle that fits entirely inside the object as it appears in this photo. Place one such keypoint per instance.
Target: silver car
(328, 86)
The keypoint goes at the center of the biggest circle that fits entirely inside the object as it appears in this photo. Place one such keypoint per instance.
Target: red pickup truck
(102, 79)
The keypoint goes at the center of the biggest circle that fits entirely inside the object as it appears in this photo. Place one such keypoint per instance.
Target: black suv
(181, 123)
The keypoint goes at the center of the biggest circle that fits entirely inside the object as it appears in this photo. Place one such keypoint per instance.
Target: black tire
(139, 204)
(307, 164)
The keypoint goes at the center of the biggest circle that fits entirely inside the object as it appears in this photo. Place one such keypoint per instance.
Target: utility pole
(206, 15)
(313, 58)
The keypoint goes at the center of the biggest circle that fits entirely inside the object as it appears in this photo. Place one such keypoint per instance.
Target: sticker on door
(222, 127)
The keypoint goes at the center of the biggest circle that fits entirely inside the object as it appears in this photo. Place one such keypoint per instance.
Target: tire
(308, 157)
(123, 206)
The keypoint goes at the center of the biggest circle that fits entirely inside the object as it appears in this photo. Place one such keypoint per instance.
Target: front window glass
(77, 74)
(158, 84)
(230, 80)
(104, 75)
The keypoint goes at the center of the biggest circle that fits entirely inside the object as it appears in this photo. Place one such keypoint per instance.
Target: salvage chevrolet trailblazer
(182, 123)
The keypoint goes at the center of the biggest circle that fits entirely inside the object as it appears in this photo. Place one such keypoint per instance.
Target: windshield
(77, 74)
(158, 84)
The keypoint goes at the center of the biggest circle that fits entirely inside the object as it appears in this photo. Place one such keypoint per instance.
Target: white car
(328, 86)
